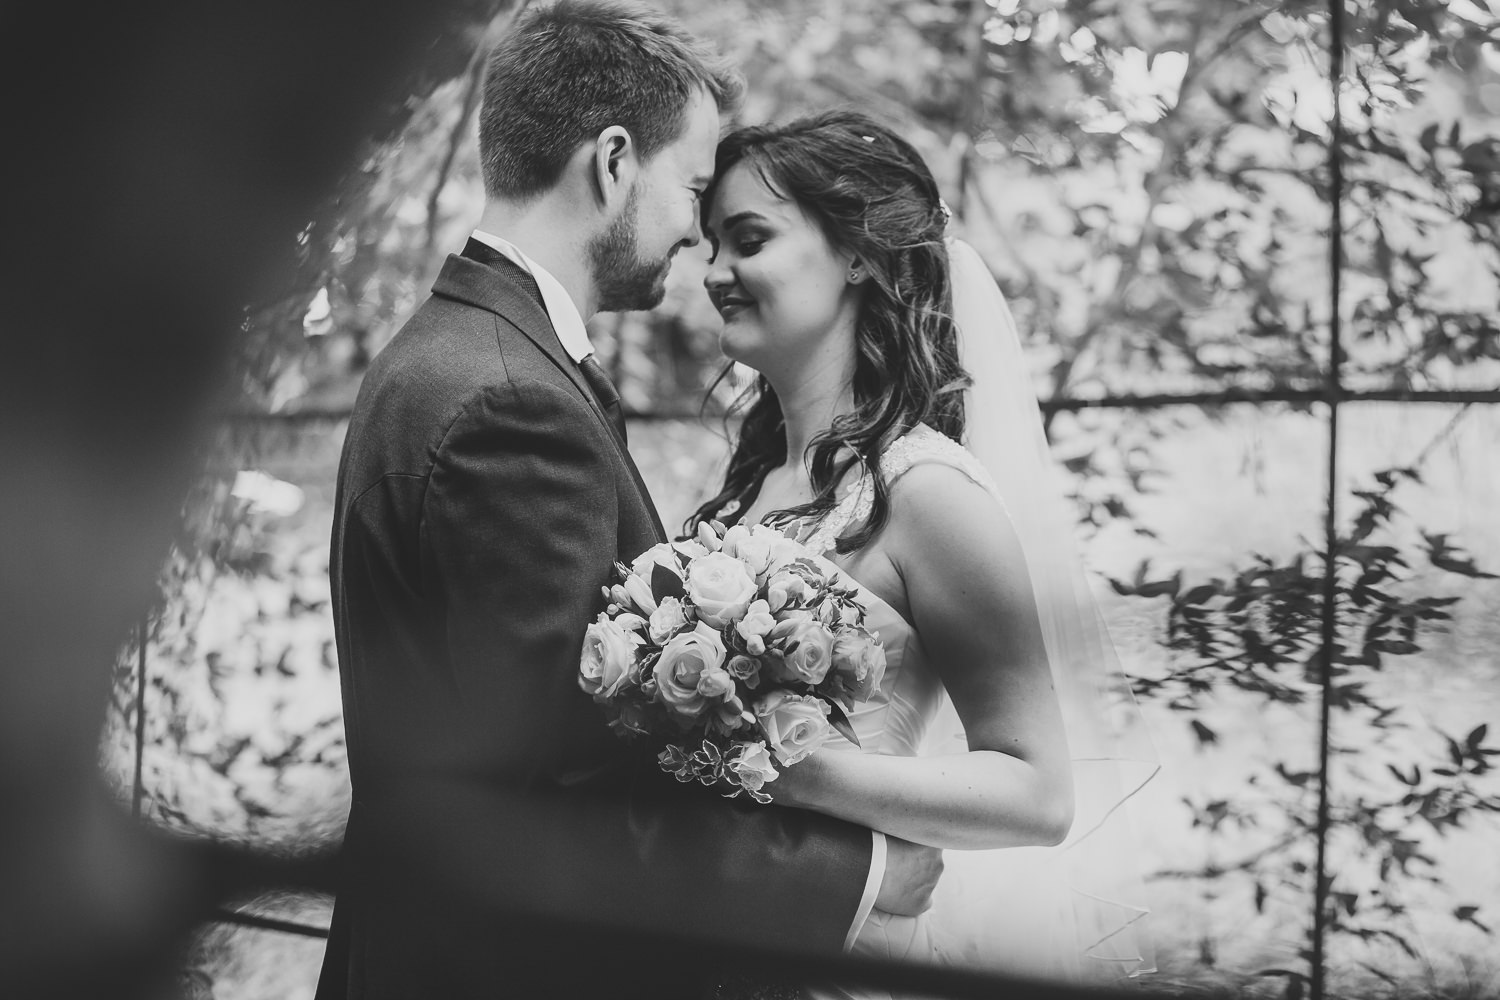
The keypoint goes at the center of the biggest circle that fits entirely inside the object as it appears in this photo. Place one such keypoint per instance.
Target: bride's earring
(853, 275)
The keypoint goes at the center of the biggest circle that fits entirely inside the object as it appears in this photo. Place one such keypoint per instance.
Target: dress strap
(918, 446)
(924, 445)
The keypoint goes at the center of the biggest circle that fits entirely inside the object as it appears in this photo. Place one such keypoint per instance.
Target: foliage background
(1149, 181)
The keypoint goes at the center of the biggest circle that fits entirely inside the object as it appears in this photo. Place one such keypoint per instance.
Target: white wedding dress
(1001, 910)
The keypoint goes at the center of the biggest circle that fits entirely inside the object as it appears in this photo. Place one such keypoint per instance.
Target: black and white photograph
(752, 500)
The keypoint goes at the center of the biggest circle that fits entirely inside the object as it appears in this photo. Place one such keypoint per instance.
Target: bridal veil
(1076, 910)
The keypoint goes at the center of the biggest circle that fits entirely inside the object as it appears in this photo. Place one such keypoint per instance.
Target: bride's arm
(971, 601)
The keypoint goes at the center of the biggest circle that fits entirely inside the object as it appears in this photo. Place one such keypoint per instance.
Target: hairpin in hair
(947, 212)
(868, 138)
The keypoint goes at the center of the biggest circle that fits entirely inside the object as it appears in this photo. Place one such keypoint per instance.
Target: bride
(1001, 731)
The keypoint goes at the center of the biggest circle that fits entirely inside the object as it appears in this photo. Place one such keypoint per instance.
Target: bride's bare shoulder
(944, 509)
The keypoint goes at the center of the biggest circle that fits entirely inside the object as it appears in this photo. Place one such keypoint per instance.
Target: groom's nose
(695, 233)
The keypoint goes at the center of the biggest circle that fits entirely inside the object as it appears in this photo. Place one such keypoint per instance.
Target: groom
(483, 495)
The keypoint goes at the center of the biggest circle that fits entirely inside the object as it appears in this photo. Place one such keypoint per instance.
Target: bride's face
(781, 288)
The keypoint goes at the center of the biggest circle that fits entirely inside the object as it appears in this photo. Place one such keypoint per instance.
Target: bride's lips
(730, 306)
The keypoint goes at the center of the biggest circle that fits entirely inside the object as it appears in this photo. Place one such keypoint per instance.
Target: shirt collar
(566, 319)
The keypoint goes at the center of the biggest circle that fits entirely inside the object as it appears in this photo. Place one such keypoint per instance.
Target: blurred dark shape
(163, 156)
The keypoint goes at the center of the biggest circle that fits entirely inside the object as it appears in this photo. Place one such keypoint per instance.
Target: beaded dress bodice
(896, 717)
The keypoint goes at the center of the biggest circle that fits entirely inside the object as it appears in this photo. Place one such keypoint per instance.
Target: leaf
(1198, 594)
(1158, 588)
(1416, 775)
(839, 721)
(1429, 138)
(1298, 778)
(1455, 752)
(1468, 915)
(1482, 157)
(1444, 556)
(1141, 587)
(1205, 735)
(665, 583)
(1385, 977)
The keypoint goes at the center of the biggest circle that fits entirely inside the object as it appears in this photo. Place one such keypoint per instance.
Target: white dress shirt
(568, 323)
(566, 319)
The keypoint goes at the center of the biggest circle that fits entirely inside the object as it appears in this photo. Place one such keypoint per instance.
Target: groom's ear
(615, 164)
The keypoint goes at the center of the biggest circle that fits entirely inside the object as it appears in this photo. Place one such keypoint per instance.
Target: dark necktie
(604, 391)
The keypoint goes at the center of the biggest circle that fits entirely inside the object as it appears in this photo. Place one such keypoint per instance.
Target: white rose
(690, 548)
(608, 654)
(752, 765)
(795, 725)
(804, 648)
(751, 547)
(858, 665)
(629, 622)
(746, 669)
(668, 617)
(661, 555)
(720, 587)
(784, 550)
(682, 663)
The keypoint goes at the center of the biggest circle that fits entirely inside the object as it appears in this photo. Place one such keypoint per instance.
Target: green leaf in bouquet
(840, 722)
(665, 583)
(674, 760)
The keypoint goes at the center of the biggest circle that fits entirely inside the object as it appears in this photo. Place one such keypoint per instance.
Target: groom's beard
(625, 280)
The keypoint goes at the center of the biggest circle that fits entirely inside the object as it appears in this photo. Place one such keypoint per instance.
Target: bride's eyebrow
(737, 218)
(712, 231)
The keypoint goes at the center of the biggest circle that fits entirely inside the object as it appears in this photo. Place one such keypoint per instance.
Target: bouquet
(736, 649)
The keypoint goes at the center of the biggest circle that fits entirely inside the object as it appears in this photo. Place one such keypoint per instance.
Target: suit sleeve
(519, 532)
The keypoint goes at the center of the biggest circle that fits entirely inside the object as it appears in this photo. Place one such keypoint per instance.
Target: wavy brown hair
(872, 196)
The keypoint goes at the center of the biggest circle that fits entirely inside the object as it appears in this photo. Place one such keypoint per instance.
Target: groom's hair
(567, 71)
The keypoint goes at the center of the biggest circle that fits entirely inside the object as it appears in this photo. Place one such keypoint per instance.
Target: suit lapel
(494, 290)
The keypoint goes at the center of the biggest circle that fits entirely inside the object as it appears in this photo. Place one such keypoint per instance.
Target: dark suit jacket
(482, 498)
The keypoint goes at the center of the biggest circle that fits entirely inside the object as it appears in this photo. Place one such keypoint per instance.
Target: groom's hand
(911, 873)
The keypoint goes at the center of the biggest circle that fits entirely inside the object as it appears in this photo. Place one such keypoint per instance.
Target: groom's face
(632, 257)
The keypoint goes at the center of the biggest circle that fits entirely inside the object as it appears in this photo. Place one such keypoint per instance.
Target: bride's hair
(872, 195)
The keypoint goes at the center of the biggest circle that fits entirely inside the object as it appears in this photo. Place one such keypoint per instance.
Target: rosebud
(744, 668)
(640, 592)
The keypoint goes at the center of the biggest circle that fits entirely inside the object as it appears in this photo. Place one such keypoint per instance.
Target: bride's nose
(718, 276)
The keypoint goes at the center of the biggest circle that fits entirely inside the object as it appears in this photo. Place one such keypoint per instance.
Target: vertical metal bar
(140, 717)
(1334, 386)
